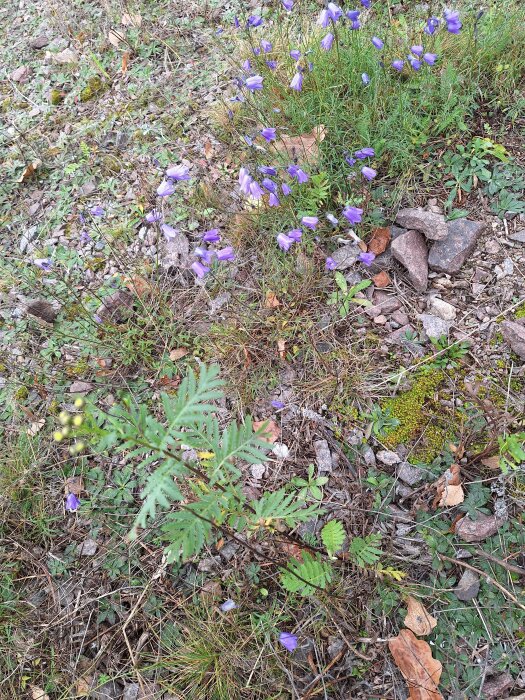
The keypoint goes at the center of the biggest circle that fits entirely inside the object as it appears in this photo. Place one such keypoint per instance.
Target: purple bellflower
(324, 18)
(268, 133)
(225, 254)
(254, 21)
(286, 189)
(368, 173)
(297, 82)
(273, 200)
(169, 232)
(365, 78)
(332, 219)
(398, 64)
(295, 234)
(284, 241)
(211, 236)
(367, 152)
(453, 21)
(44, 264)
(334, 11)
(417, 51)
(330, 263)
(327, 42)
(353, 214)
(269, 185)
(430, 58)
(266, 46)
(432, 25)
(97, 211)
(414, 62)
(288, 5)
(254, 82)
(366, 258)
(356, 24)
(376, 41)
(153, 216)
(206, 255)
(366, 3)
(267, 170)
(310, 222)
(298, 174)
(246, 65)
(277, 404)
(166, 188)
(227, 605)
(72, 503)
(199, 269)
(178, 172)
(295, 54)
(353, 15)
(255, 190)
(272, 65)
(288, 640)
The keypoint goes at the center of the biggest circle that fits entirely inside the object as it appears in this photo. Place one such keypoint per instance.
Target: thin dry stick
(510, 567)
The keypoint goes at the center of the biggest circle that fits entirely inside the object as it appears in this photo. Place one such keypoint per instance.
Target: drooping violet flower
(295, 234)
(432, 25)
(248, 140)
(310, 222)
(376, 41)
(332, 219)
(298, 174)
(286, 189)
(272, 65)
(430, 58)
(330, 263)
(365, 78)
(417, 50)
(353, 214)
(277, 404)
(351, 161)
(367, 152)
(334, 11)
(266, 46)
(366, 258)
(227, 605)
(453, 21)
(247, 66)
(324, 18)
(297, 82)
(254, 82)
(295, 54)
(254, 21)
(85, 237)
(273, 200)
(169, 232)
(398, 64)
(236, 22)
(256, 51)
(245, 183)
(327, 42)
(284, 241)
(269, 185)
(288, 5)
(44, 264)
(211, 236)
(288, 640)
(255, 190)
(199, 269)
(368, 173)
(97, 211)
(225, 254)
(166, 188)
(153, 216)
(72, 503)
(353, 15)
(366, 3)
(356, 24)
(414, 62)
(97, 318)
(268, 133)
(267, 170)
(206, 255)
(178, 172)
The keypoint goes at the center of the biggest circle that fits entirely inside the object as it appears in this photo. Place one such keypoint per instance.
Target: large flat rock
(410, 250)
(449, 254)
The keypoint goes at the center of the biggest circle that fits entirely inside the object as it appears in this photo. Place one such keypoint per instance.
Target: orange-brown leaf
(125, 61)
(379, 241)
(418, 619)
(414, 659)
(304, 146)
(272, 431)
(271, 301)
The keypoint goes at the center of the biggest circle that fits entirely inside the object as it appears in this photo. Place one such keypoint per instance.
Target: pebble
(388, 457)
(380, 320)
(434, 326)
(323, 456)
(431, 224)
(409, 473)
(441, 308)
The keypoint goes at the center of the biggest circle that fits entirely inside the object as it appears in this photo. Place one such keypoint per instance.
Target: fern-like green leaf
(280, 505)
(333, 535)
(364, 550)
(160, 491)
(304, 576)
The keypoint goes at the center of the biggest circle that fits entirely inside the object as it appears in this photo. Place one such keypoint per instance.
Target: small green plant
(311, 487)
(333, 535)
(305, 576)
(382, 420)
(511, 451)
(344, 297)
(364, 550)
(448, 355)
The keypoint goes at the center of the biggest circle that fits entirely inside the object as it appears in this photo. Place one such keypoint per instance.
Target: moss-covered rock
(94, 87)
(56, 97)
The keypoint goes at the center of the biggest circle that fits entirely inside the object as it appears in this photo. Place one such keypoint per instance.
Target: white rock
(388, 457)
(442, 309)
(280, 450)
(434, 326)
(257, 471)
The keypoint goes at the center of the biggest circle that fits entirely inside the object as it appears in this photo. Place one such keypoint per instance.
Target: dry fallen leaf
(35, 427)
(125, 61)
(178, 353)
(379, 241)
(491, 462)
(29, 170)
(304, 146)
(208, 149)
(115, 37)
(382, 279)
(418, 619)
(272, 430)
(449, 491)
(414, 659)
(271, 301)
(74, 484)
(129, 20)
(453, 495)
(37, 693)
(83, 687)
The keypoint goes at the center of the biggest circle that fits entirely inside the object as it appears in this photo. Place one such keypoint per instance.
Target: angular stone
(398, 337)
(346, 256)
(494, 687)
(384, 303)
(514, 334)
(65, 56)
(410, 474)
(468, 586)
(174, 251)
(478, 530)
(400, 317)
(410, 250)
(432, 225)
(87, 548)
(80, 387)
(39, 42)
(388, 457)
(434, 327)
(449, 254)
(20, 75)
(323, 456)
(116, 307)
(43, 309)
(107, 691)
(519, 236)
(441, 308)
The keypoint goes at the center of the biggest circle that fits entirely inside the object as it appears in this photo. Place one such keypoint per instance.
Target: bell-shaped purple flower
(72, 503)
(356, 24)
(310, 222)
(330, 263)
(414, 62)
(417, 50)
(228, 605)
(332, 219)
(366, 258)
(199, 269)
(288, 5)
(367, 152)
(272, 65)
(254, 82)
(255, 190)
(297, 82)
(353, 214)
(256, 51)
(97, 211)
(278, 404)
(153, 216)
(273, 200)
(205, 255)
(368, 173)
(286, 189)
(269, 185)
(245, 184)
(398, 64)
(324, 18)
(267, 170)
(432, 25)
(365, 78)
(430, 58)
(268, 133)
(211, 236)
(246, 65)
(166, 188)
(266, 46)
(376, 41)
(353, 15)
(225, 254)
(297, 173)
(327, 42)
(334, 11)
(178, 172)
(288, 640)
(295, 54)
(254, 21)
(366, 3)
(44, 264)
(295, 234)
(284, 241)
(169, 232)
(351, 161)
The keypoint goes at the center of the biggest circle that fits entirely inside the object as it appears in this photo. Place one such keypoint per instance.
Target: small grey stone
(174, 251)
(368, 455)
(219, 301)
(20, 75)
(514, 334)
(434, 327)
(346, 256)
(410, 474)
(80, 387)
(229, 550)
(441, 308)
(400, 317)
(107, 691)
(519, 236)
(257, 471)
(494, 687)
(209, 564)
(384, 303)
(353, 277)
(66, 56)
(87, 548)
(39, 42)
(449, 254)
(323, 455)
(432, 225)
(388, 457)
(131, 691)
(478, 530)
(410, 250)
(43, 309)
(398, 337)
(468, 586)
